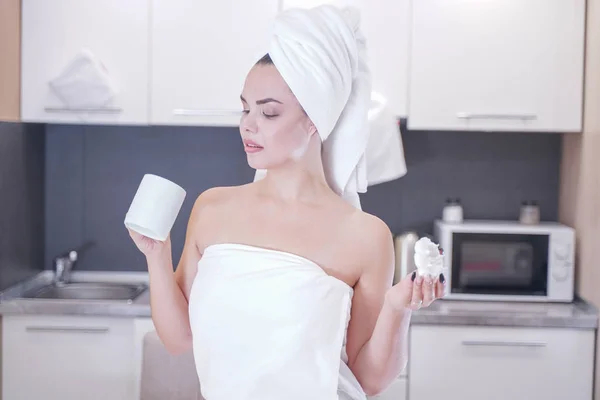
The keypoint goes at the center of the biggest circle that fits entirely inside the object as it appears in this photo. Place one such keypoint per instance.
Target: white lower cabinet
(72, 357)
(498, 363)
(66, 358)
(98, 358)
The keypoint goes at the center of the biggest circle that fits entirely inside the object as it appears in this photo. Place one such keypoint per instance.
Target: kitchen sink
(88, 291)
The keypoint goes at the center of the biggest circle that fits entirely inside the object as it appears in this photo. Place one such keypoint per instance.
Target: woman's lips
(251, 147)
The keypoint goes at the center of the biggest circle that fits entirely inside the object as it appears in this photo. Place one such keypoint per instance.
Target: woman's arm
(378, 333)
(169, 291)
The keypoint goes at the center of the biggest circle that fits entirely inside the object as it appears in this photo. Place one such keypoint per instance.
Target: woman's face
(274, 128)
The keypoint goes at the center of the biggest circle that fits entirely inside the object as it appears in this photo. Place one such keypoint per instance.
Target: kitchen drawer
(499, 363)
(67, 358)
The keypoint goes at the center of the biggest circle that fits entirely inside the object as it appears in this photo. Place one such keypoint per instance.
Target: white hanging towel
(84, 83)
(321, 55)
(385, 151)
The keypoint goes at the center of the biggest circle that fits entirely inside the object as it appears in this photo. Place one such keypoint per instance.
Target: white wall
(580, 176)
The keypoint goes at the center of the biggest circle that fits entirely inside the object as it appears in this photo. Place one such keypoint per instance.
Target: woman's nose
(249, 123)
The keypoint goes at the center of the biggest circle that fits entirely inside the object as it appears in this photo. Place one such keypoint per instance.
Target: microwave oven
(507, 261)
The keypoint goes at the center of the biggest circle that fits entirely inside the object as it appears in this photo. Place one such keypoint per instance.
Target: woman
(284, 289)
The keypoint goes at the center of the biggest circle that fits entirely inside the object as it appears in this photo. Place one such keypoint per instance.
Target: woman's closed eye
(266, 115)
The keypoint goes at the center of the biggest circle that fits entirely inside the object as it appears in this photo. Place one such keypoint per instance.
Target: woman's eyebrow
(262, 101)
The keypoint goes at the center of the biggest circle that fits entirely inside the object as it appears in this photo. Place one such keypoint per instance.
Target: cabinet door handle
(95, 110)
(190, 112)
(486, 343)
(68, 329)
(524, 117)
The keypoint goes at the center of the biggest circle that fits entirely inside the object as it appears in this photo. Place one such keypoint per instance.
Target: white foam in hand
(428, 258)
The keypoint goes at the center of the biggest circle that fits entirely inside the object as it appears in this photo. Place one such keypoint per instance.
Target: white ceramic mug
(155, 207)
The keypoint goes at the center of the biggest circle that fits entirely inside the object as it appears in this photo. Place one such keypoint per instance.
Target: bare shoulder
(368, 234)
(373, 241)
(374, 227)
(207, 211)
(209, 204)
(215, 197)
(370, 230)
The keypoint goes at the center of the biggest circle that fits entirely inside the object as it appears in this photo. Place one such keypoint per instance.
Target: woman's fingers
(428, 291)
(417, 293)
(440, 287)
(135, 235)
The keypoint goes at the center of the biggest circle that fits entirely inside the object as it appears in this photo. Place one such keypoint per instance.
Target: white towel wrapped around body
(321, 55)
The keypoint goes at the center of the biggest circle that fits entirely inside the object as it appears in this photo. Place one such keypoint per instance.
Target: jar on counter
(453, 211)
(530, 213)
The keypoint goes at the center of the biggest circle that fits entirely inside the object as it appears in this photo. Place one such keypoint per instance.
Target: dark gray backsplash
(93, 172)
(21, 202)
(491, 172)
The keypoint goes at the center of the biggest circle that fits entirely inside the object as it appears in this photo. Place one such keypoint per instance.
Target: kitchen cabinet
(66, 358)
(114, 32)
(201, 54)
(498, 363)
(10, 60)
(503, 65)
(386, 26)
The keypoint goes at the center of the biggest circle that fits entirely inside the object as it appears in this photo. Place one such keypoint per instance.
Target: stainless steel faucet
(63, 265)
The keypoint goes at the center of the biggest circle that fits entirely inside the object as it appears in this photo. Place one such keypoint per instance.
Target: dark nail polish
(414, 275)
(442, 278)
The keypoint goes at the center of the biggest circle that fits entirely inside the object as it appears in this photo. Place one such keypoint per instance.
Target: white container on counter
(530, 213)
(453, 211)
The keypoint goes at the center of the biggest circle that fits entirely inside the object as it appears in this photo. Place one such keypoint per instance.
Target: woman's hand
(150, 247)
(414, 291)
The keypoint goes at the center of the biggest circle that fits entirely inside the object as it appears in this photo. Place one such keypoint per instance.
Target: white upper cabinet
(500, 65)
(113, 33)
(201, 54)
(386, 26)
(504, 65)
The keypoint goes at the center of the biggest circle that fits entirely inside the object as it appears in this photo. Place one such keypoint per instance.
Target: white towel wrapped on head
(321, 55)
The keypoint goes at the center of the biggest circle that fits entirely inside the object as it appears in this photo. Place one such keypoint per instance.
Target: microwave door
(499, 264)
(487, 264)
